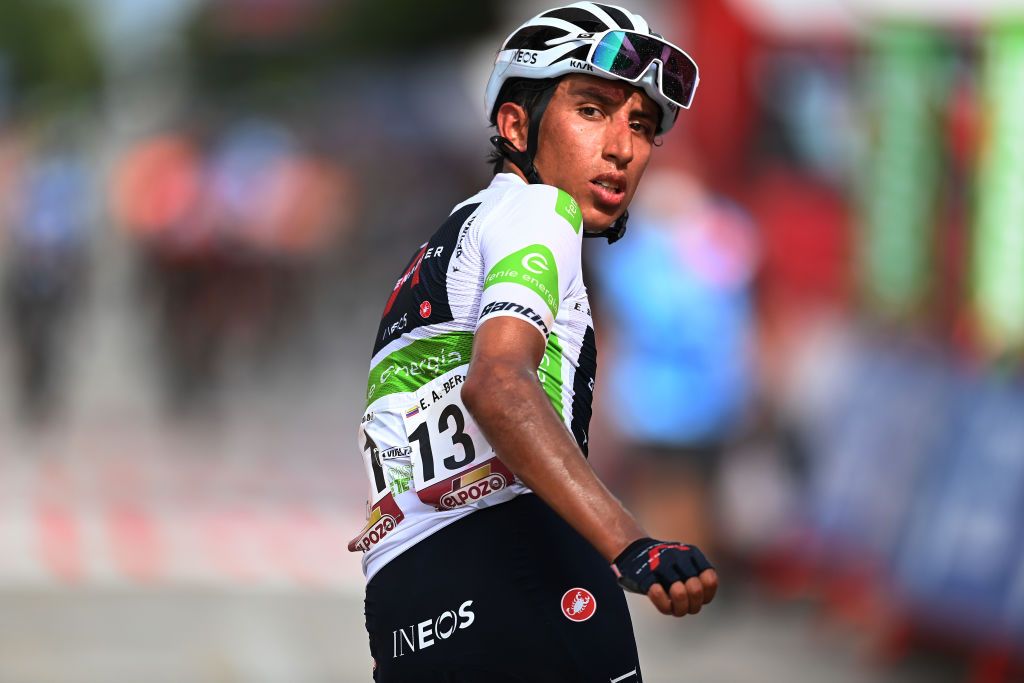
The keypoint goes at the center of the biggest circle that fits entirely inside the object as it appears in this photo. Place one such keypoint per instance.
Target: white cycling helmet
(599, 40)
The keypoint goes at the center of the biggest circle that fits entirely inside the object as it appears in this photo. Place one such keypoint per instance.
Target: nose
(618, 142)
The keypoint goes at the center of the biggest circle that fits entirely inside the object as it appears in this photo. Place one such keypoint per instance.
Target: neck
(509, 167)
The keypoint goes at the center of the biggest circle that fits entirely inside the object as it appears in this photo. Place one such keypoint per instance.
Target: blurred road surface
(174, 635)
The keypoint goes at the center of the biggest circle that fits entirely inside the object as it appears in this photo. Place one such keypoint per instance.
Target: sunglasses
(628, 55)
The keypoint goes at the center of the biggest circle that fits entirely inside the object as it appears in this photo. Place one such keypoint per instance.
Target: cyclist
(491, 548)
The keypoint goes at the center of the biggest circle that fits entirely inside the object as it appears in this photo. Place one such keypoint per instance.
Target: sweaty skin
(595, 142)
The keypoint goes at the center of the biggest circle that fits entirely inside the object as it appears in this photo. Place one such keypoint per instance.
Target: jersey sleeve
(531, 256)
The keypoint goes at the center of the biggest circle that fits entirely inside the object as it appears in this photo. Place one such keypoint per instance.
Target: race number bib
(383, 512)
(452, 462)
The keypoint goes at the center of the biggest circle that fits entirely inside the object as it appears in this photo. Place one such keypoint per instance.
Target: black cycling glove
(646, 562)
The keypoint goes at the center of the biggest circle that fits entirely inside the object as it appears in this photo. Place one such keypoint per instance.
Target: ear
(514, 124)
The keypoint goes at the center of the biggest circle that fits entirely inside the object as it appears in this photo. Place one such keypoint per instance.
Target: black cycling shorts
(507, 594)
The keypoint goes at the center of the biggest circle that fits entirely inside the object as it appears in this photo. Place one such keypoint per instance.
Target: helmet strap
(520, 160)
(524, 160)
(532, 140)
(613, 233)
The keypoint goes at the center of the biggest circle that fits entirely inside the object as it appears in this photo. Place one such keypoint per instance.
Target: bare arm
(504, 396)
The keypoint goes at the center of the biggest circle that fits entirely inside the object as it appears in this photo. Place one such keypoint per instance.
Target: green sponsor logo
(400, 477)
(550, 373)
(533, 267)
(408, 369)
(567, 208)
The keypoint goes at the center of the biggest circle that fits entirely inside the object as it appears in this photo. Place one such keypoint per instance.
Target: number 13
(422, 435)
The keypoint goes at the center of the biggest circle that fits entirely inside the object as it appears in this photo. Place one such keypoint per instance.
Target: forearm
(519, 422)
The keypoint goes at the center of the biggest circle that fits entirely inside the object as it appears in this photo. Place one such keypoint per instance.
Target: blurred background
(810, 341)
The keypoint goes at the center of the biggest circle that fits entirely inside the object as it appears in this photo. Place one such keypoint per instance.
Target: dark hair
(525, 92)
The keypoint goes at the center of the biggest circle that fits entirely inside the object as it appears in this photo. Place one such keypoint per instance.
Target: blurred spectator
(229, 240)
(46, 264)
(676, 297)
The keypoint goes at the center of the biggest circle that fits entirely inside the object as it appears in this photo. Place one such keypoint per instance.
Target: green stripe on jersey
(533, 267)
(422, 361)
(550, 373)
(567, 208)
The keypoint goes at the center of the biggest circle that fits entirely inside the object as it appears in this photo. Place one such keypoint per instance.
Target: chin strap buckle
(613, 233)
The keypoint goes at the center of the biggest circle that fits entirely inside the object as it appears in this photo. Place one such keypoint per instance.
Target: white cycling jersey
(511, 250)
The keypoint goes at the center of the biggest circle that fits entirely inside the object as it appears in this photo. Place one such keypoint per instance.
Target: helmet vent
(618, 16)
(534, 38)
(587, 22)
(579, 53)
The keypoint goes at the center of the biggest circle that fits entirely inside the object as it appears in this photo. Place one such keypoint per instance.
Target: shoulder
(544, 207)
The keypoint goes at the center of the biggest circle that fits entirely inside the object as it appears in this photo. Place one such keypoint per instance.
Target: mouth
(609, 190)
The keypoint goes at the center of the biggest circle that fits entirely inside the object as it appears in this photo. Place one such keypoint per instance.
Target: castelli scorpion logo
(578, 604)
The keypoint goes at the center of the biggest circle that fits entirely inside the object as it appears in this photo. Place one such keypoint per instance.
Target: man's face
(595, 142)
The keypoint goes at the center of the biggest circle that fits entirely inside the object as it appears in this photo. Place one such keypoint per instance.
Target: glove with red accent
(646, 562)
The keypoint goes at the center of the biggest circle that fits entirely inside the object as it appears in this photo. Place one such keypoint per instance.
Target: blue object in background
(678, 296)
(54, 205)
(871, 453)
(960, 561)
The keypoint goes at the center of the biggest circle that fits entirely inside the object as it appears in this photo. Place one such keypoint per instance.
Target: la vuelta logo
(578, 604)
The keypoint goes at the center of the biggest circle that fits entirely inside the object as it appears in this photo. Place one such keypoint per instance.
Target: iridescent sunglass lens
(608, 49)
(628, 54)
